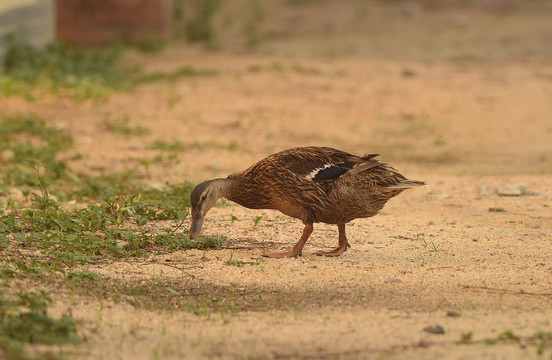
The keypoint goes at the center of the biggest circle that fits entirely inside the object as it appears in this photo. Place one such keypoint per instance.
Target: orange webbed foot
(335, 252)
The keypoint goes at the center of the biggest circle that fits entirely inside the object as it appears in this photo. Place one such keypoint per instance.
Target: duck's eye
(203, 197)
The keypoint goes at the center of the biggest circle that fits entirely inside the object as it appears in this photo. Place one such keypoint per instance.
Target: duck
(313, 184)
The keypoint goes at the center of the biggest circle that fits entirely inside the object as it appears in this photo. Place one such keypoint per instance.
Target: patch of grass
(149, 45)
(540, 340)
(82, 275)
(169, 151)
(25, 142)
(122, 126)
(466, 337)
(105, 230)
(62, 69)
(233, 262)
(257, 220)
(81, 74)
(252, 23)
(58, 236)
(182, 72)
(107, 185)
(259, 263)
(193, 20)
(24, 319)
(44, 236)
(503, 337)
(111, 229)
(278, 67)
(430, 246)
(207, 242)
(232, 145)
(439, 141)
(174, 98)
(174, 292)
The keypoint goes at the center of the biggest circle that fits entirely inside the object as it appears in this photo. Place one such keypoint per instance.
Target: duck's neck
(245, 191)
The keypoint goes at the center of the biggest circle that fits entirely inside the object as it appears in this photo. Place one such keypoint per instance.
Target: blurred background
(453, 86)
(383, 28)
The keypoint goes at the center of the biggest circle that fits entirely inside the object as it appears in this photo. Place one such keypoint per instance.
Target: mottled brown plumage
(313, 184)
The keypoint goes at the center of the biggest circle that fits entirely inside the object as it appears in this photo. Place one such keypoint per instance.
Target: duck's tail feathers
(369, 156)
(365, 166)
(406, 184)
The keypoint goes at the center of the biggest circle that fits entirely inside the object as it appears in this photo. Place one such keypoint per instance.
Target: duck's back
(319, 184)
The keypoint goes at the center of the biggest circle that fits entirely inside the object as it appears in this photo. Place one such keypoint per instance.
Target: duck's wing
(321, 163)
(327, 174)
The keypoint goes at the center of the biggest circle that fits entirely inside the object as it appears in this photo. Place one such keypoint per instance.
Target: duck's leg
(297, 250)
(343, 244)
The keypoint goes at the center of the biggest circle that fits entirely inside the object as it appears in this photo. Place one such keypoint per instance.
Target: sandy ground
(465, 117)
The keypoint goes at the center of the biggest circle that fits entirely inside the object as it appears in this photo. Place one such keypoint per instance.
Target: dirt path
(436, 256)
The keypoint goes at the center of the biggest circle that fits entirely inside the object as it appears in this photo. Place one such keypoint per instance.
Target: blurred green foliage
(82, 74)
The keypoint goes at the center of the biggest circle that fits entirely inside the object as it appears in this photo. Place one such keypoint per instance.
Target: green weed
(122, 126)
(257, 220)
(193, 20)
(107, 185)
(503, 336)
(43, 237)
(439, 141)
(81, 74)
(252, 23)
(26, 141)
(174, 292)
(430, 246)
(62, 69)
(24, 319)
(111, 227)
(168, 152)
(540, 340)
(82, 275)
(259, 262)
(182, 72)
(466, 337)
(233, 262)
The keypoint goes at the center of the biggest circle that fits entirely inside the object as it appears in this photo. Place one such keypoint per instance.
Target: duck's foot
(343, 244)
(282, 255)
(335, 252)
(297, 250)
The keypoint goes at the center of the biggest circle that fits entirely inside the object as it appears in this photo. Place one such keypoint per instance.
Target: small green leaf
(466, 337)
(257, 220)
(174, 292)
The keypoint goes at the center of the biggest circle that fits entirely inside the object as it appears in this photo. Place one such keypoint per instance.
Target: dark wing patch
(329, 173)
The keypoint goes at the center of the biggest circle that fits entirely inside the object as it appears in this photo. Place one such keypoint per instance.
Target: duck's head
(203, 198)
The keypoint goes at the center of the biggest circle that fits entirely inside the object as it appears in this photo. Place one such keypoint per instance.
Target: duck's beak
(195, 229)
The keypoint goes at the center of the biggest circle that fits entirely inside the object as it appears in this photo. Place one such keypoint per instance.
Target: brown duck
(313, 184)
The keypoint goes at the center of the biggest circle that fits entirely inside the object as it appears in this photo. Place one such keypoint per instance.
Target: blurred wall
(34, 19)
(97, 22)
